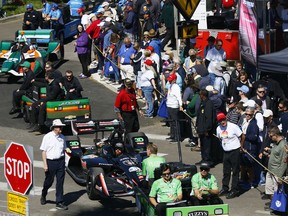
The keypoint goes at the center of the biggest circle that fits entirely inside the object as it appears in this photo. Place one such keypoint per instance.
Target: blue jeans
(148, 94)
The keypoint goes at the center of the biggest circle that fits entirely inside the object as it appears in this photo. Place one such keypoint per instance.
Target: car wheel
(92, 177)
(26, 114)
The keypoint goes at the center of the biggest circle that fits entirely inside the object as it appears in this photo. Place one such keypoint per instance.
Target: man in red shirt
(125, 107)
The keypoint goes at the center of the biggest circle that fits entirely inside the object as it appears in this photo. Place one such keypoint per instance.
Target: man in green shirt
(151, 163)
(204, 187)
(165, 190)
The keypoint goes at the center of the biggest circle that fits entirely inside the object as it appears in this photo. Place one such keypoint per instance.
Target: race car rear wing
(38, 36)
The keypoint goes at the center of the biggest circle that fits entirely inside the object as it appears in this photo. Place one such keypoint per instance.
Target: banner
(248, 31)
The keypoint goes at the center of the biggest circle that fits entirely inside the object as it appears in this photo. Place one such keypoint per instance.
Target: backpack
(227, 4)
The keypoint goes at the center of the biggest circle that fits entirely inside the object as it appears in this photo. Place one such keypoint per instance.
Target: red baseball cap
(80, 10)
(151, 48)
(148, 62)
(221, 116)
(172, 77)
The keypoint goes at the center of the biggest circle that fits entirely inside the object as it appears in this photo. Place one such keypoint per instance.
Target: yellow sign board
(17, 203)
(186, 7)
(188, 30)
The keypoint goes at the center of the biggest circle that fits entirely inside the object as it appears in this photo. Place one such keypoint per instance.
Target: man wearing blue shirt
(74, 6)
(55, 18)
(124, 58)
(46, 9)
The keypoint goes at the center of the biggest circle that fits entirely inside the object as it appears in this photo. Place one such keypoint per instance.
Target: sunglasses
(166, 174)
(248, 114)
(261, 91)
(280, 107)
(69, 76)
(207, 170)
(146, 37)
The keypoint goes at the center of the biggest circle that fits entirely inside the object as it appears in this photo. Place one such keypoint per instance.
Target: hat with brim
(209, 88)
(221, 116)
(267, 113)
(250, 103)
(217, 70)
(80, 10)
(172, 77)
(26, 64)
(152, 33)
(91, 16)
(104, 4)
(128, 82)
(57, 123)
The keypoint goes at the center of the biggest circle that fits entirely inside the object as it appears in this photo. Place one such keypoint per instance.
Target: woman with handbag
(82, 47)
(148, 85)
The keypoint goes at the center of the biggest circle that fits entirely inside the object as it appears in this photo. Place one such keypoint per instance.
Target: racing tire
(26, 114)
(91, 182)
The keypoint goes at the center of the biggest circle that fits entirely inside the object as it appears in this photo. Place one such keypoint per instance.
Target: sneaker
(61, 206)
(108, 82)
(14, 110)
(148, 116)
(196, 148)
(199, 162)
(43, 200)
(191, 144)
(83, 76)
(232, 194)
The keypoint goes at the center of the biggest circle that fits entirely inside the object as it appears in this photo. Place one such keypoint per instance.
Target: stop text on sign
(18, 168)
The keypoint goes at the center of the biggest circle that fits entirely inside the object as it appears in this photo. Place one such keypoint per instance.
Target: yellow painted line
(3, 142)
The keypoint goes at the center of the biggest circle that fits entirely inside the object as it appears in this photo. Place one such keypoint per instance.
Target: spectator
(149, 6)
(206, 121)
(148, 84)
(125, 107)
(156, 59)
(190, 61)
(50, 69)
(136, 62)
(53, 146)
(240, 109)
(75, 5)
(232, 114)
(155, 42)
(277, 156)
(261, 94)
(217, 99)
(148, 22)
(204, 187)
(32, 18)
(165, 190)
(167, 12)
(82, 47)
(174, 106)
(146, 40)
(219, 81)
(85, 21)
(283, 117)
(252, 146)
(234, 77)
(124, 58)
(25, 88)
(243, 80)
(232, 139)
(211, 41)
(267, 142)
(131, 23)
(72, 86)
(214, 56)
(243, 93)
(151, 163)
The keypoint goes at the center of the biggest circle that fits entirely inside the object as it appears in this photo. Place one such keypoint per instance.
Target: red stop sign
(18, 168)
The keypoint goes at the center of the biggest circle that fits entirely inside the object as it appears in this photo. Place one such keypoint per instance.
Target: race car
(42, 48)
(67, 110)
(97, 167)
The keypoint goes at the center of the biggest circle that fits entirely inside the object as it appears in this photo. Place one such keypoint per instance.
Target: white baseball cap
(250, 103)
(267, 113)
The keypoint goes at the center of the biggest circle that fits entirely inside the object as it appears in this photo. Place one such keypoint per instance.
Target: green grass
(19, 6)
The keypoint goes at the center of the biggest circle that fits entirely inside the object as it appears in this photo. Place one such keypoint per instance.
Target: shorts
(138, 80)
(127, 72)
(271, 184)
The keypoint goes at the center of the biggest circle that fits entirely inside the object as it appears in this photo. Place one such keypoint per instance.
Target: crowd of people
(220, 104)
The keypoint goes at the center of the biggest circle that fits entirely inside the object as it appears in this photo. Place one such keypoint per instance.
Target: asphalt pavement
(102, 98)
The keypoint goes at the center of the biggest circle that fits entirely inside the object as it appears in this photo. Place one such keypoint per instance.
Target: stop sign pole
(18, 167)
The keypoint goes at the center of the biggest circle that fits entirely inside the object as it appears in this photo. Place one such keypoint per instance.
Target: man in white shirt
(174, 106)
(53, 146)
(232, 139)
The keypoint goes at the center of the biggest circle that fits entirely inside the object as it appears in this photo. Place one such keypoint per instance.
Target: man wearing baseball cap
(31, 19)
(174, 106)
(25, 88)
(232, 140)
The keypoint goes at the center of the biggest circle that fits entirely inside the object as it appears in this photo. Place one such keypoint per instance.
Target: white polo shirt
(229, 136)
(54, 145)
